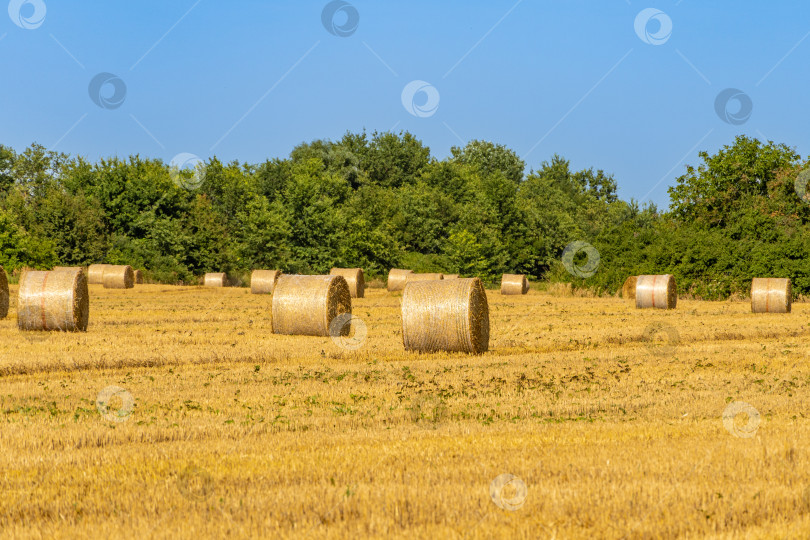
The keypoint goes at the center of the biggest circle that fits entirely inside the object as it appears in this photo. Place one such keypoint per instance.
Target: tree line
(381, 200)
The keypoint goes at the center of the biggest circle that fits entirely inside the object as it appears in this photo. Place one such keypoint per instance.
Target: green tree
(393, 160)
(465, 255)
(424, 217)
(490, 158)
(314, 200)
(712, 191)
(264, 237)
(7, 159)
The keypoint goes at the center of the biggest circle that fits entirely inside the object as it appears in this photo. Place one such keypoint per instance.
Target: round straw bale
(397, 278)
(306, 305)
(53, 301)
(138, 277)
(450, 276)
(629, 288)
(423, 277)
(656, 292)
(771, 295)
(263, 281)
(95, 274)
(118, 277)
(3, 293)
(216, 279)
(354, 277)
(514, 284)
(451, 316)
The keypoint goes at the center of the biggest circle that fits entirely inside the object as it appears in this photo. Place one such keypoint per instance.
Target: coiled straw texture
(354, 277)
(263, 281)
(423, 277)
(450, 316)
(95, 274)
(629, 288)
(656, 292)
(397, 278)
(4, 293)
(307, 305)
(215, 279)
(771, 295)
(53, 301)
(118, 277)
(514, 284)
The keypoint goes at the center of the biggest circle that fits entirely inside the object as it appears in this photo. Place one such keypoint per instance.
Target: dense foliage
(382, 201)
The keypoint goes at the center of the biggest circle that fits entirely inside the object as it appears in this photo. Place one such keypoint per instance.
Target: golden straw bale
(397, 278)
(138, 277)
(423, 277)
(450, 276)
(354, 277)
(771, 295)
(629, 288)
(307, 305)
(215, 279)
(263, 281)
(514, 284)
(95, 274)
(656, 292)
(451, 316)
(118, 276)
(55, 300)
(4, 295)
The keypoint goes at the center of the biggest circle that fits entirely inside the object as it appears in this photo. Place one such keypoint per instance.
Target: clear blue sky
(250, 79)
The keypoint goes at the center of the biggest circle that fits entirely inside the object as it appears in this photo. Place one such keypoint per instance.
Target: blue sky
(249, 79)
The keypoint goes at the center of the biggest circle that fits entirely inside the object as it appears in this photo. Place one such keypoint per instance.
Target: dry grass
(235, 431)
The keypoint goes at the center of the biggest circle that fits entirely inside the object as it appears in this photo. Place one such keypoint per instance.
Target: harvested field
(180, 411)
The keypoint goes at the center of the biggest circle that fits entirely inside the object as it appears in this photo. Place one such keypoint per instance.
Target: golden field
(610, 418)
